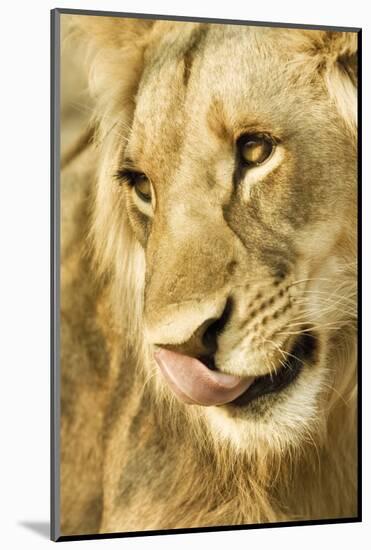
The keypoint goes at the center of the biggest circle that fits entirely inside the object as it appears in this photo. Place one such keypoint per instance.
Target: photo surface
(206, 370)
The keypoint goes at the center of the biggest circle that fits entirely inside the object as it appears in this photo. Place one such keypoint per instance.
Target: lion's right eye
(139, 182)
(142, 187)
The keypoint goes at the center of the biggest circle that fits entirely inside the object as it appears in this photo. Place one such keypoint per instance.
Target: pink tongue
(194, 383)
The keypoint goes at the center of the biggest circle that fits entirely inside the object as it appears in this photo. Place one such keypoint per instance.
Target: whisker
(328, 307)
(333, 389)
(283, 352)
(309, 279)
(334, 294)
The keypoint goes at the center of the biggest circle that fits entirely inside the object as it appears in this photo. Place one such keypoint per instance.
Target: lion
(208, 283)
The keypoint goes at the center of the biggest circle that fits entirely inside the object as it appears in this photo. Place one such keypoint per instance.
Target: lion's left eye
(255, 149)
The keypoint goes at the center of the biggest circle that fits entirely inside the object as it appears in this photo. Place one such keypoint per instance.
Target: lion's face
(238, 178)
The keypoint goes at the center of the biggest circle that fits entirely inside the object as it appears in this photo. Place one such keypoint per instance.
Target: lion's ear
(339, 66)
(335, 52)
(333, 56)
(342, 50)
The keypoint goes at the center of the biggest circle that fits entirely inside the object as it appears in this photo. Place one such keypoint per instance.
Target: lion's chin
(272, 412)
(276, 411)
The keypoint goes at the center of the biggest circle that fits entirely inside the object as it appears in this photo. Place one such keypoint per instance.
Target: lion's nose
(203, 341)
(211, 328)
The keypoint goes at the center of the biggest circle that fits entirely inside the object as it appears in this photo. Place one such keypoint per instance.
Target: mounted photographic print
(204, 277)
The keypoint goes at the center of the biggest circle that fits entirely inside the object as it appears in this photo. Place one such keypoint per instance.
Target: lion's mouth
(195, 381)
(302, 352)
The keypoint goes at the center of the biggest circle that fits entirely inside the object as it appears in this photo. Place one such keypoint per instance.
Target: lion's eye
(142, 186)
(138, 181)
(255, 149)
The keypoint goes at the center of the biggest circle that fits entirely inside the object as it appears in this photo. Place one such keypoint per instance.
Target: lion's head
(226, 215)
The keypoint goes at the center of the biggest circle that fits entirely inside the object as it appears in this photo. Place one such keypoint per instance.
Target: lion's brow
(127, 163)
(191, 49)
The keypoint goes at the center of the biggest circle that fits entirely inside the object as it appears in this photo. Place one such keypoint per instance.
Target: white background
(24, 269)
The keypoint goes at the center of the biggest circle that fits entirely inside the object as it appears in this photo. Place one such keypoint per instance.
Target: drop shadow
(42, 528)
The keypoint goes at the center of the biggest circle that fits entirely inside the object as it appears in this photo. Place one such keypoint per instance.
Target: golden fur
(166, 94)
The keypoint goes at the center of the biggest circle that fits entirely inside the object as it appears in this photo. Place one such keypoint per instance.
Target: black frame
(55, 275)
